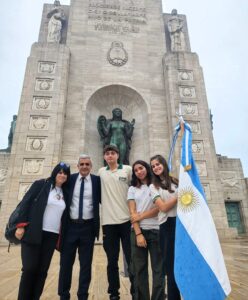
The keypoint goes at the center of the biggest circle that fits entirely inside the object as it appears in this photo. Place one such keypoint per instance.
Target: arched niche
(133, 106)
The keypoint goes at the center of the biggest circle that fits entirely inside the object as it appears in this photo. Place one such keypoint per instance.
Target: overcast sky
(218, 34)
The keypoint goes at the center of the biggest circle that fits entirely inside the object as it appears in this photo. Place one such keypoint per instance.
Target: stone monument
(94, 56)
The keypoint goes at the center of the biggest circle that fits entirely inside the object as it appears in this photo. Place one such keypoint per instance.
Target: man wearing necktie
(80, 228)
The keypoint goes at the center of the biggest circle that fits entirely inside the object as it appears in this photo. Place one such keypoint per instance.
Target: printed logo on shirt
(122, 178)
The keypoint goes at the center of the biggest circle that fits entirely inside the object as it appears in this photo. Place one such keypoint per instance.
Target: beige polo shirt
(114, 188)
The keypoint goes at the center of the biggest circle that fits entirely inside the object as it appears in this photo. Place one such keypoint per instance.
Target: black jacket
(96, 195)
(33, 206)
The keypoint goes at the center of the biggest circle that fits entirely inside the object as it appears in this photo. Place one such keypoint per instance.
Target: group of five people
(138, 211)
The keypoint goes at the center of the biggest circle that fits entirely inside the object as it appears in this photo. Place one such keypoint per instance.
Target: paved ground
(236, 256)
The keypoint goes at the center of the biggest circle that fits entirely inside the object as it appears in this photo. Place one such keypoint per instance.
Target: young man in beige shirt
(115, 179)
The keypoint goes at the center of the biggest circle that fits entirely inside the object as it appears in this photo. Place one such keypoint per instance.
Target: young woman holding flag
(164, 194)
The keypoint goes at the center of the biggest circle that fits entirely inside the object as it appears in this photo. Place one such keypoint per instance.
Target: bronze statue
(117, 131)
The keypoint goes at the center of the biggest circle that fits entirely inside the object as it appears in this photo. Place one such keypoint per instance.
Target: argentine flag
(199, 266)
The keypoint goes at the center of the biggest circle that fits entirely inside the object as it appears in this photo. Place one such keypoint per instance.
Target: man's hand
(135, 217)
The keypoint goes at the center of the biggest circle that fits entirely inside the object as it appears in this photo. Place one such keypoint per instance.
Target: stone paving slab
(235, 251)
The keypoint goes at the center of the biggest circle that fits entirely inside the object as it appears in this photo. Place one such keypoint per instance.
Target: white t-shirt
(144, 201)
(165, 195)
(54, 210)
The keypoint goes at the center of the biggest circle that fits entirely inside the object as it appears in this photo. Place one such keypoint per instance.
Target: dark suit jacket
(33, 206)
(96, 197)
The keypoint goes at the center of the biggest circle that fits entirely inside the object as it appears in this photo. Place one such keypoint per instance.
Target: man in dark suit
(80, 228)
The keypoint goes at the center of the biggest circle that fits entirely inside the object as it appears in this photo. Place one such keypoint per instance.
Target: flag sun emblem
(188, 199)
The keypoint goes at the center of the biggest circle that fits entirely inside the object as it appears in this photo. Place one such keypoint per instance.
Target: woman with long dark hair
(164, 194)
(38, 228)
(144, 234)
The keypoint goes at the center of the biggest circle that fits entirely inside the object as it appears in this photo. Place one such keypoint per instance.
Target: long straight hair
(135, 180)
(156, 180)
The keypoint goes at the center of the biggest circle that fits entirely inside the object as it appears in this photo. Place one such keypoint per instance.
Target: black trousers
(167, 243)
(36, 260)
(79, 237)
(140, 257)
(112, 235)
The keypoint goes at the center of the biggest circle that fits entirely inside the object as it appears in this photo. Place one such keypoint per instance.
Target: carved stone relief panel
(23, 188)
(41, 103)
(229, 179)
(195, 126)
(46, 67)
(207, 191)
(33, 166)
(3, 174)
(39, 123)
(37, 144)
(190, 109)
(201, 168)
(187, 91)
(197, 147)
(44, 84)
(185, 75)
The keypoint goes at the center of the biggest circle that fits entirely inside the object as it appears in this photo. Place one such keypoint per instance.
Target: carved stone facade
(105, 55)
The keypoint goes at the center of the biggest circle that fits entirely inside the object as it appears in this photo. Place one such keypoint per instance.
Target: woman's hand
(141, 241)
(19, 233)
(136, 217)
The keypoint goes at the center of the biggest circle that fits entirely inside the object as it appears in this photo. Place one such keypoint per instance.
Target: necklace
(59, 194)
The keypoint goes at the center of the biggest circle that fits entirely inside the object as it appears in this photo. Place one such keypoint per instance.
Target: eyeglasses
(64, 165)
(84, 164)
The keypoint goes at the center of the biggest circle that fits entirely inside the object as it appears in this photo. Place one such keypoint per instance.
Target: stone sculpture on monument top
(11, 132)
(175, 27)
(55, 24)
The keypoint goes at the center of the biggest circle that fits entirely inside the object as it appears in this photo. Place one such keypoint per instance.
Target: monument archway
(133, 106)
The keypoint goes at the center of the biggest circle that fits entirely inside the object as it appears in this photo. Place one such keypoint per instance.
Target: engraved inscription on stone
(32, 166)
(120, 17)
(3, 174)
(46, 67)
(185, 75)
(39, 123)
(197, 147)
(44, 84)
(229, 179)
(207, 191)
(41, 103)
(117, 55)
(189, 109)
(187, 91)
(195, 127)
(36, 144)
(23, 188)
(202, 168)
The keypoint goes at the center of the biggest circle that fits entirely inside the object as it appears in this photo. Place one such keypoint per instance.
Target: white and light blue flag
(199, 267)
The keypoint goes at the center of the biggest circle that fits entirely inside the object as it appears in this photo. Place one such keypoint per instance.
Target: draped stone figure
(55, 24)
(117, 131)
(175, 27)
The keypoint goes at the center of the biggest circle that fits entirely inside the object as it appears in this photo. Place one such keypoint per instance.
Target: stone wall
(233, 184)
(4, 162)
